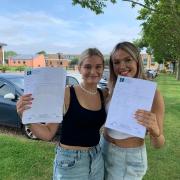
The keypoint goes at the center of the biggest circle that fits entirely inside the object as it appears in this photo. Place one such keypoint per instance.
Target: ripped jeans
(78, 164)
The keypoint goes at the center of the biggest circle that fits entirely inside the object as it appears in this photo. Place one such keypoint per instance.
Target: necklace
(89, 92)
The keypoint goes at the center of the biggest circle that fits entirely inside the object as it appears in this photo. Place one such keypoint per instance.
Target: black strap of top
(72, 93)
(101, 96)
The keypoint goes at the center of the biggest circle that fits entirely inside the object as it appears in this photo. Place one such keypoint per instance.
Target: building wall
(20, 62)
(57, 63)
(148, 62)
(39, 61)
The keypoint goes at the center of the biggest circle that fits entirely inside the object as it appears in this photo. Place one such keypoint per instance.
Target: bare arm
(158, 109)
(42, 131)
(153, 120)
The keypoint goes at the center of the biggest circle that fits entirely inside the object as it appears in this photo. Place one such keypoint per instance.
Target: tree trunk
(178, 70)
(174, 67)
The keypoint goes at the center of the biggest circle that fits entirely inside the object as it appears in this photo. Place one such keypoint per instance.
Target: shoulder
(67, 95)
(67, 91)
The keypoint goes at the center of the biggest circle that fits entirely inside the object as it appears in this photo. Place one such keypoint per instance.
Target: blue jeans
(123, 163)
(78, 164)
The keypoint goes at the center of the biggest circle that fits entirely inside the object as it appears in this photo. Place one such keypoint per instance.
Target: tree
(94, 5)
(42, 52)
(74, 61)
(98, 5)
(8, 54)
(161, 31)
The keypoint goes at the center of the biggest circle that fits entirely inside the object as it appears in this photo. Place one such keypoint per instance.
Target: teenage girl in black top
(78, 155)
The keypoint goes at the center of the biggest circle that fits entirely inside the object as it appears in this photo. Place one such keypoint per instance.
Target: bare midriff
(73, 147)
(131, 142)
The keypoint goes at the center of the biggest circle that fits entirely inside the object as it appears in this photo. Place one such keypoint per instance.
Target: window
(71, 81)
(5, 88)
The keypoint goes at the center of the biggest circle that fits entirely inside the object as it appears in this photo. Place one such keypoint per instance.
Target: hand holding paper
(47, 87)
(130, 94)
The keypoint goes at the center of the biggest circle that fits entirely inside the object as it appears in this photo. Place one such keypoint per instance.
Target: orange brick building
(27, 60)
(39, 60)
(149, 62)
(56, 60)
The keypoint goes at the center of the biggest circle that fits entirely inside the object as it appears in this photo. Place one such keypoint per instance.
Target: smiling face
(91, 69)
(124, 64)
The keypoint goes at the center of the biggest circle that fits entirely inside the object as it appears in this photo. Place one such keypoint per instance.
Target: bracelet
(28, 125)
(155, 136)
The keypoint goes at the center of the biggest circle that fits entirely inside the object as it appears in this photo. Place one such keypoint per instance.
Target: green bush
(4, 68)
(20, 68)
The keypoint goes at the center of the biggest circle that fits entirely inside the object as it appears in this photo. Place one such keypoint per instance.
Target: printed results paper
(130, 94)
(47, 86)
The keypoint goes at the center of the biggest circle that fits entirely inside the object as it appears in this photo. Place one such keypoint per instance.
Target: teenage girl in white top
(125, 156)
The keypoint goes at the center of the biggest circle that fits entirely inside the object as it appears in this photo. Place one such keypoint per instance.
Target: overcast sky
(29, 26)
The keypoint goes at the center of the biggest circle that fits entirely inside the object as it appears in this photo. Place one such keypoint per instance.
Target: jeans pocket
(66, 163)
(66, 160)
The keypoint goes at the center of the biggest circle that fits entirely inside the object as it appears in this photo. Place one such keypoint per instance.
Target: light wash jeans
(78, 164)
(123, 163)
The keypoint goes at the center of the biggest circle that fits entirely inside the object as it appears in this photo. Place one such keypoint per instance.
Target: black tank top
(80, 126)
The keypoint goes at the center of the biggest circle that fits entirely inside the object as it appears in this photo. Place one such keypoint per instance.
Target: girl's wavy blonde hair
(133, 51)
(89, 53)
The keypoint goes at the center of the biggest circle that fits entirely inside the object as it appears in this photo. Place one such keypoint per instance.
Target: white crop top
(116, 134)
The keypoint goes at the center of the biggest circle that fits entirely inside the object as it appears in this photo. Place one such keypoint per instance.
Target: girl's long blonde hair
(133, 51)
(89, 53)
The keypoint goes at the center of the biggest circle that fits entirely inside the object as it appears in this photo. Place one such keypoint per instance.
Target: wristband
(28, 125)
(156, 136)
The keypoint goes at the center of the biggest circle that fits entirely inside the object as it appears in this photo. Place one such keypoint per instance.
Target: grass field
(23, 159)
(164, 164)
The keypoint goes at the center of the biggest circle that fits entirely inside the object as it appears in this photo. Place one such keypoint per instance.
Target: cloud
(28, 32)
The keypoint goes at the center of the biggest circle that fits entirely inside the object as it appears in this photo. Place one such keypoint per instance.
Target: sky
(30, 26)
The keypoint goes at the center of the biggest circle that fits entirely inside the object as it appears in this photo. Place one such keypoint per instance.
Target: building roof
(23, 57)
(3, 44)
(54, 56)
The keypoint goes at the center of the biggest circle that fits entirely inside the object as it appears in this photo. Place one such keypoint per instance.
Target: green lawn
(164, 164)
(23, 159)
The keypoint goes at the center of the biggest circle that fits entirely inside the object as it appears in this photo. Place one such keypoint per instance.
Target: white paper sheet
(47, 86)
(130, 94)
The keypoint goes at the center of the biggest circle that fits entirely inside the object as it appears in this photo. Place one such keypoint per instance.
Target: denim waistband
(94, 149)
